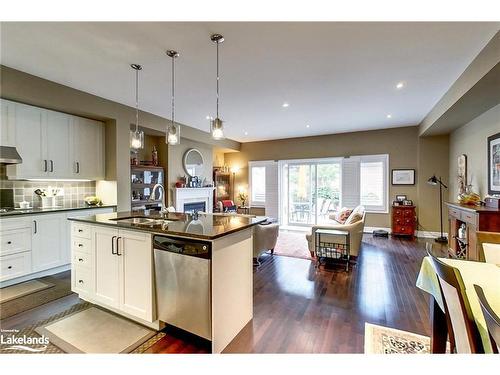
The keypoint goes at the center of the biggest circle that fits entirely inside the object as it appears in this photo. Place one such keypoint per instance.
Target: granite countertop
(39, 210)
(206, 226)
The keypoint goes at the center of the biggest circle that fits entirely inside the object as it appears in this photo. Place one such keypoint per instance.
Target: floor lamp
(437, 181)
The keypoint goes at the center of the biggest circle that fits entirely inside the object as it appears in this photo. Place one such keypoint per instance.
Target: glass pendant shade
(217, 128)
(136, 139)
(174, 134)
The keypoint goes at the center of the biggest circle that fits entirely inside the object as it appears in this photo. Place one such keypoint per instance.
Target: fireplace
(189, 199)
(194, 206)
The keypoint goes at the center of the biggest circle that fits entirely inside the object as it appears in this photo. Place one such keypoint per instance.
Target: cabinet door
(48, 241)
(58, 144)
(136, 274)
(7, 128)
(88, 153)
(30, 137)
(107, 283)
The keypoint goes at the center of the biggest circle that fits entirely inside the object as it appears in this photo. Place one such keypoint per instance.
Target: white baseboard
(427, 234)
(35, 275)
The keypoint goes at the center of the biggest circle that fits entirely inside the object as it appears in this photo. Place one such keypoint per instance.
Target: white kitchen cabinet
(50, 238)
(136, 274)
(88, 149)
(57, 143)
(52, 144)
(7, 126)
(30, 133)
(123, 271)
(107, 267)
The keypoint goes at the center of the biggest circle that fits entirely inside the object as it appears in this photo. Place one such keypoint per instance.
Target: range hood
(9, 155)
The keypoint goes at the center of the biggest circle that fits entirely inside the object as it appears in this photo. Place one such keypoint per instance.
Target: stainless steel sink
(142, 220)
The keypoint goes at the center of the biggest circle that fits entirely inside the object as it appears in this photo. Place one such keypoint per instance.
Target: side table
(333, 244)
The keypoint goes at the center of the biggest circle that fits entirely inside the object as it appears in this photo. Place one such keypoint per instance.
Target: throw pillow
(354, 218)
(343, 214)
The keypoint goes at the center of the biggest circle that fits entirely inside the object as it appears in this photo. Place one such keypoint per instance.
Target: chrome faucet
(163, 209)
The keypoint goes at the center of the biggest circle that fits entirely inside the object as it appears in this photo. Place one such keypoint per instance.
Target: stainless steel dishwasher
(182, 271)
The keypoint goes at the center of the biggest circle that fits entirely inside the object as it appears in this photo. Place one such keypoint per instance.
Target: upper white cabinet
(88, 149)
(52, 144)
(7, 129)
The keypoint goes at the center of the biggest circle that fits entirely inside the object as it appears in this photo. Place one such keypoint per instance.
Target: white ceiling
(337, 77)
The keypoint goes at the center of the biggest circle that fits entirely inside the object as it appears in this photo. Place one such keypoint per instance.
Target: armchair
(355, 230)
(265, 237)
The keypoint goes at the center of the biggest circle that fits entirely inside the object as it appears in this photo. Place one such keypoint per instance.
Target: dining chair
(462, 330)
(490, 243)
(491, 318)
(491, 253)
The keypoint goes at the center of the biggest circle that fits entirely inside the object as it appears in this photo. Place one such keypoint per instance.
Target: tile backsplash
(74, 192)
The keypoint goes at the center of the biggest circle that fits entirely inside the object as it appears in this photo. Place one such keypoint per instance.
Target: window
(373, 183)
(257, 185)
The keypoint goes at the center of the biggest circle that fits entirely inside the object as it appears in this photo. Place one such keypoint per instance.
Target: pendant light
(216, 124)
(173, 134)
(137, 136)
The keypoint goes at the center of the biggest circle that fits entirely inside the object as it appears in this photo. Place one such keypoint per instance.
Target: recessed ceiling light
(285, 105)
(308, 126)
(389, 116)
(246, 133)
(208, 117)
(400, 85)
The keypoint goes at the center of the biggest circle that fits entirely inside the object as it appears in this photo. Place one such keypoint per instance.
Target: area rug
(60, 287)
(384, 340)
(292, 244)
(42, 337)
(22, 289)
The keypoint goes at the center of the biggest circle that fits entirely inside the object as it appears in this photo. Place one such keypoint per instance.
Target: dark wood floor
(298, 309)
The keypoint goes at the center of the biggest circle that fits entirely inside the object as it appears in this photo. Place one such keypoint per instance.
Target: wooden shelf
(146, 167)
(143, 185)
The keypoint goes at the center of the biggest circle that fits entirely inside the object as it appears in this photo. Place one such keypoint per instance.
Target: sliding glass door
(310, 191)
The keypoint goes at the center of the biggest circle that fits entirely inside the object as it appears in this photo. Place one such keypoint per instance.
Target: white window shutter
(350, 182)
(272, 189)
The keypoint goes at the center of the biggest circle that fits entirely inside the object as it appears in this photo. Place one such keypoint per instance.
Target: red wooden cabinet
(404, 221)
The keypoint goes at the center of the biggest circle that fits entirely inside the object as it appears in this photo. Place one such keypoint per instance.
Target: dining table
(486, 275)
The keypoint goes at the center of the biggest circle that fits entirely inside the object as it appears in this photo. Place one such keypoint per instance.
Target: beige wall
(471, 140)
(176, 156)
(401, 144)
(433, 155)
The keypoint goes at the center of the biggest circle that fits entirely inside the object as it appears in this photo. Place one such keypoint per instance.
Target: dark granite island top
(205, 226)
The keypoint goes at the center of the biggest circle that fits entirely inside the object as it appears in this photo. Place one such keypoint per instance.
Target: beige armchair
(355, 230)
(264, 239)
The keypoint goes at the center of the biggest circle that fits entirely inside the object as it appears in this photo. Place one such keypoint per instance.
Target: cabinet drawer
(81, 259)
(83, 245)
(454, 212)
(398, 212)
(403, 229)
(409, 213)
(80, 230)
(82, 280)
(15, 265)
(15, 241)
(469, 217)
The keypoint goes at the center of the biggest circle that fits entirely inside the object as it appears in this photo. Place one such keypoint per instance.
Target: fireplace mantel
(191, 195)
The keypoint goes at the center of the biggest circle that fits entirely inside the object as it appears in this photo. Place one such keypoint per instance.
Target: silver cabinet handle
(118, 246)
(80, 281)
(52, 165)
(45, 167)
(36, 226)
(77, 167)
(113, 245)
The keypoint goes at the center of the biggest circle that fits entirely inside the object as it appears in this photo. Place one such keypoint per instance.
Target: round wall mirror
(193, 162)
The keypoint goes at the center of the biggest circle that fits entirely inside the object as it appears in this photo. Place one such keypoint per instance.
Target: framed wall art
(403, 177)
(494, 164)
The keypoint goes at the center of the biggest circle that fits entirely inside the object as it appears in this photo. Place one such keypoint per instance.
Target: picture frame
(400, 197)
(403, 177)
(494, 164)
(407, 202)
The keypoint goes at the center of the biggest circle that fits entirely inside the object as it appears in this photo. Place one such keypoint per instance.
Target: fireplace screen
(194, 206)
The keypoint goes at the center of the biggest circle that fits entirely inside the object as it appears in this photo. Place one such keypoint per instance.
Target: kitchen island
(192, 272)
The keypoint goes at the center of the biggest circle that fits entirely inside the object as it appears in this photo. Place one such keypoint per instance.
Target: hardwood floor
(298, 309)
